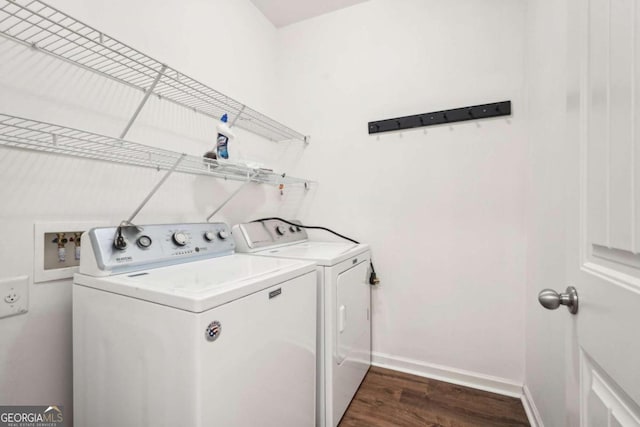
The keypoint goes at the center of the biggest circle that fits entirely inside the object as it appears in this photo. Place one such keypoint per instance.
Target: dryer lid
(323, 253)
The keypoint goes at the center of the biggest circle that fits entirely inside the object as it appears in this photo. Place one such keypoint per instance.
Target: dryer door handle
(342, 318)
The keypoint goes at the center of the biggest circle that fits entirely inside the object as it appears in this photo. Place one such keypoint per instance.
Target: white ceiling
(285, 12)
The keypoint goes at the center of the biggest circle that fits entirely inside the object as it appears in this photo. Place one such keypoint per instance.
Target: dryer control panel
(255, 236)
(114, 250)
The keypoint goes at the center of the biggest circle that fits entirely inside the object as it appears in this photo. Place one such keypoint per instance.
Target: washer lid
(323, 253)
(201, 285)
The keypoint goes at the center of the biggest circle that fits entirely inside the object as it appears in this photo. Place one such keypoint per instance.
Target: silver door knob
(551, 300)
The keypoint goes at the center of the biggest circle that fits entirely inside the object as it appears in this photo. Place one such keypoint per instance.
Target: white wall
(230, 46)
(546, 206)
(442, 207)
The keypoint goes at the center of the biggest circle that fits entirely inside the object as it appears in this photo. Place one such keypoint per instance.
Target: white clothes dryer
(344, 306)
(174, 329)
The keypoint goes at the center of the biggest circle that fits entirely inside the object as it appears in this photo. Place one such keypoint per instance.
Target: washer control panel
(252, 236)
(137, 247)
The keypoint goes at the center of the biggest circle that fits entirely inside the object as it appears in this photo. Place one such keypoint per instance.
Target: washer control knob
(209, 236)
(213, 331)
(144, 242)
(298, 228)
(292, 229)
(280, 230)
(223, 234)
(179, 238)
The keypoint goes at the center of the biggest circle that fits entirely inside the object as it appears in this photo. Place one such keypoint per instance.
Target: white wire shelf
(35, 23)
(33, 135)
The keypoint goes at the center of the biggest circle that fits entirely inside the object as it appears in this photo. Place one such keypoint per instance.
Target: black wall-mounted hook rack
(474, 112)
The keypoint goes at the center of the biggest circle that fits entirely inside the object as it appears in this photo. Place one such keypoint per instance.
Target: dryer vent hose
(373, 277)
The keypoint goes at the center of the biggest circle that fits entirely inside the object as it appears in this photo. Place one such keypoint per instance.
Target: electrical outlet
(11, 297)
(15, 297)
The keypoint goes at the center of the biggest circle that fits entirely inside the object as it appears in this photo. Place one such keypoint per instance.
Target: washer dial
(223, 234)
(209, 236)
(280, 230)
(144, 242)
(180, 238)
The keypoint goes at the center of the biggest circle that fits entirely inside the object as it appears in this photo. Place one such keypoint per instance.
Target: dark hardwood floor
(389, 398)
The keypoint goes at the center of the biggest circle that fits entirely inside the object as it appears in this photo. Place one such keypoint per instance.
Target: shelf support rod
(232, 195)
(235, 119)
(143, 102)
(155, 189)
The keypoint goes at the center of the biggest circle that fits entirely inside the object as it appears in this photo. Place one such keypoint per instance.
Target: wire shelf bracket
(129, 221)
(35, 23)
(118, 239)
(143, 102)
(232, 195)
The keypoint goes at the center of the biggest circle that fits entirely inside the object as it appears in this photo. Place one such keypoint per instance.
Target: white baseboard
(530, 408)
(464, 378)
(451, 375)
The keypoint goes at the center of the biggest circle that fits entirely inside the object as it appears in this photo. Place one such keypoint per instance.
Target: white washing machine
(175, 329)
(344, 306)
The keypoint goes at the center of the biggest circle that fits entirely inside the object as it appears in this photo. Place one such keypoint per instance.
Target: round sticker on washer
(213, 330)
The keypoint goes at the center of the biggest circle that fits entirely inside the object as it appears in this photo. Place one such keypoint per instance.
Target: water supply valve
(76, 240)
(61, 240)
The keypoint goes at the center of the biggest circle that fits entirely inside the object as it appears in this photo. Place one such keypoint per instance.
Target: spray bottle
(224, 136)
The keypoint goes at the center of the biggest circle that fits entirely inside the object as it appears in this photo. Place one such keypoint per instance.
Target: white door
(604, 210)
